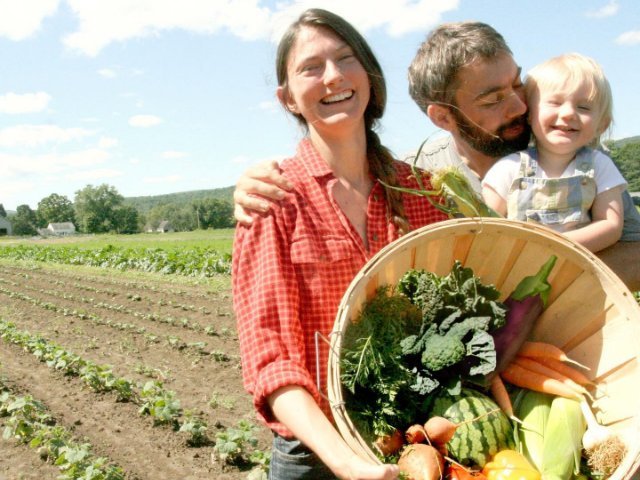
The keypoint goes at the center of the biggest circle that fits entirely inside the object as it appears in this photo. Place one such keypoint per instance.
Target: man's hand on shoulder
(259, 182)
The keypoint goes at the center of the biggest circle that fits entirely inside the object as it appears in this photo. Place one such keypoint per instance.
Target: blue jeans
(291, 460)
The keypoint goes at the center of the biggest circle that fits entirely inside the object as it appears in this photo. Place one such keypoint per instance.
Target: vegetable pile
(424, 367)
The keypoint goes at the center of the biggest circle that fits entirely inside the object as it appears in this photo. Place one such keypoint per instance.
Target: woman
(292, 266)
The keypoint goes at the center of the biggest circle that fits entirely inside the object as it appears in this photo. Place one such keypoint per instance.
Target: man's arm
(624, 259)
(262, 180)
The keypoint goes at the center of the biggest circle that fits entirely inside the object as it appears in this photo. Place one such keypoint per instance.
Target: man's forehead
(488, 73)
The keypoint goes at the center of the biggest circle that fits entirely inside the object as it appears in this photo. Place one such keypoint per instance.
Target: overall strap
(585, 161)
(528, 164)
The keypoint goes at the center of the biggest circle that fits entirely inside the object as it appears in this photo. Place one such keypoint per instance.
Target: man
(465, 79)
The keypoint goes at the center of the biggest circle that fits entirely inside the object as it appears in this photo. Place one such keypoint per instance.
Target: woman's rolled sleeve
(266, 304)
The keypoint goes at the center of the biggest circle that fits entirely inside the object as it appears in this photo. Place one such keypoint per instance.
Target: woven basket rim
(345, 311)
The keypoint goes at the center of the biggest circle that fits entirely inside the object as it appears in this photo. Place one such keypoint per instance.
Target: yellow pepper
(510, 465)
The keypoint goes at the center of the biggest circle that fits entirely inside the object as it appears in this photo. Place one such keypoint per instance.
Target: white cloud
(629, 38)
(11, 188)
(50, 163)
(24, 103)
(174, 155)
(607, 10)
(107, 73)
(34, 135)
(21, 19)
(91, 175)
(164, 179)
(397, 17)
(103, 23)
(107, 142)
(144, 121)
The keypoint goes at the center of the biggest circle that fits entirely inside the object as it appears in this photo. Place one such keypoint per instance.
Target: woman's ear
(441, 117)
(285, 100)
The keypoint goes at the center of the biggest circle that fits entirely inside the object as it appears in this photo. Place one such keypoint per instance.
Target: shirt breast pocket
(321, 266)
(319, 251)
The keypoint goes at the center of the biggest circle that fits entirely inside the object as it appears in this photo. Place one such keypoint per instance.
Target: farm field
(159, 339)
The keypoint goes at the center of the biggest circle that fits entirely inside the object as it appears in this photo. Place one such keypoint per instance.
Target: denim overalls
(562, 204)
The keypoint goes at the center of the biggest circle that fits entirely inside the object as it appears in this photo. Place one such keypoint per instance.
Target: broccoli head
(442, 351)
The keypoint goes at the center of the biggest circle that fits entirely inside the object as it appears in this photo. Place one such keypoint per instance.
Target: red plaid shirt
(291, 269)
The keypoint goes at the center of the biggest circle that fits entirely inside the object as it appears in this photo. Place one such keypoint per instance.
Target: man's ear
(285, 99)
(441, 117)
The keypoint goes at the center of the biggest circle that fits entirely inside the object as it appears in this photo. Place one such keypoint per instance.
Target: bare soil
(146, 327)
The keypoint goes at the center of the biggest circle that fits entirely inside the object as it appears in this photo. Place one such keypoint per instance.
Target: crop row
(28, 421)
(194, 262)
(232, 446)
(172, 340)
(81, 281)
(120, 308)
(162, 405)
(30, 271)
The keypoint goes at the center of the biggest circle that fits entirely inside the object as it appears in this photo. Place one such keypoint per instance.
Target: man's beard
(493, 144)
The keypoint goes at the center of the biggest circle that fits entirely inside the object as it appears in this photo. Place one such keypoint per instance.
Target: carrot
(546, 350)
(501, 396)
(567, 370)
(535, 366)
(521, 377)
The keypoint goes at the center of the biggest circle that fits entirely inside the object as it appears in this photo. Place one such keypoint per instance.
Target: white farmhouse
(61, 229)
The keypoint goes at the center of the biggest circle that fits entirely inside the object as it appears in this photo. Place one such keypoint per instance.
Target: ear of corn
(563, 439)
(451, 185)
(533, 409)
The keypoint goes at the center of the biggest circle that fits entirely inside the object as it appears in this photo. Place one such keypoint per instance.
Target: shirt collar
(312, 162)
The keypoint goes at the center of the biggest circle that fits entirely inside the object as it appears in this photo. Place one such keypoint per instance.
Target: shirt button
(375, 237)
(523, 185)
(583, 181)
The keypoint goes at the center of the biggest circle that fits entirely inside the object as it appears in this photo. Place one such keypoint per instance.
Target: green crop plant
(234, 444)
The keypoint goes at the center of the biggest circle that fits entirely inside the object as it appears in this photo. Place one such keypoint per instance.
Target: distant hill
(146, 203)
(623, 141)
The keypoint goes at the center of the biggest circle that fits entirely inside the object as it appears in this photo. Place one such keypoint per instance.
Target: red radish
(389, 444)
(421, 462)
(415, 434)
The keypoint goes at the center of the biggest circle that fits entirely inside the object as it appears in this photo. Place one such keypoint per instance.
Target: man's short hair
(451, 46)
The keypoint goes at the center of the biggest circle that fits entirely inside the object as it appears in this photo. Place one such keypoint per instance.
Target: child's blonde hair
(570, 71)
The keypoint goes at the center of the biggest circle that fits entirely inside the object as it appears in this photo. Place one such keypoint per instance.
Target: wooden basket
(591, 314)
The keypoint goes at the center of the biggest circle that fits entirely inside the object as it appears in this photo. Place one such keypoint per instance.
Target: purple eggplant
(524, 306)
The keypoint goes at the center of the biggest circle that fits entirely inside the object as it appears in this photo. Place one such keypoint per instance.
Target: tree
(213, 213)
(126, 219)
(95, 208)
(24, 221)
(627, 158)
(55, 209)
(181, 217)
(3, 212)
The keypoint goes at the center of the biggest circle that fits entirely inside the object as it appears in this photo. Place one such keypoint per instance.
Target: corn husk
(533, 409)
(451, 185)
(563, 439)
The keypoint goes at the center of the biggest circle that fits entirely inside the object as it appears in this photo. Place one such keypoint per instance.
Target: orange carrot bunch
(545, 368)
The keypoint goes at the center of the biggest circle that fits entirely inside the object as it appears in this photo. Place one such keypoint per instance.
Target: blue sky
(162, 96)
